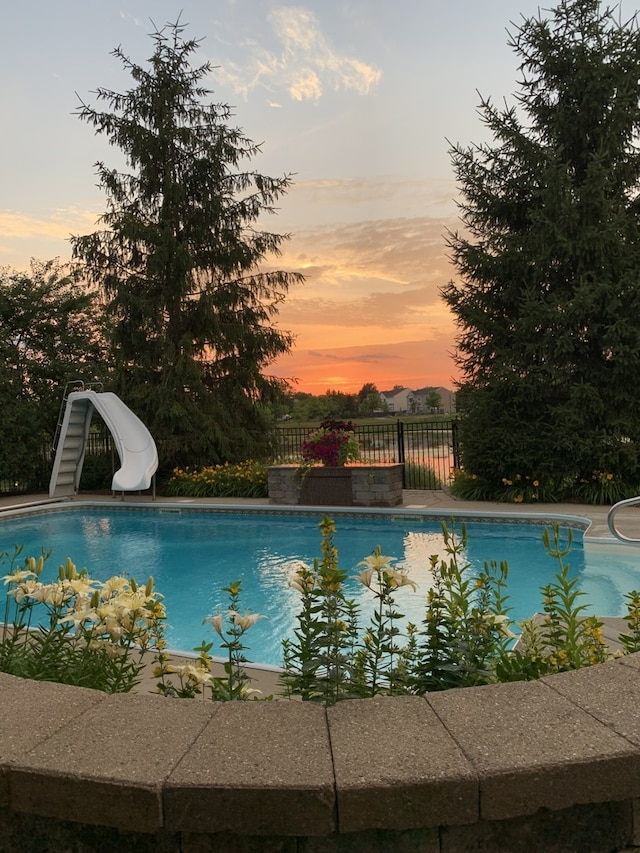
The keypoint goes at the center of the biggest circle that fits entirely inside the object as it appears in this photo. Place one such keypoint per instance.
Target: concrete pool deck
(551, 765)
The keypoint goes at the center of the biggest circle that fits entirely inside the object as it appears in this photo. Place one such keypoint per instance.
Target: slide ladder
(133, 441)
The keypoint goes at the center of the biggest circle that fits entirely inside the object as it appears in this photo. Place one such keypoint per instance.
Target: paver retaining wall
(552, 765)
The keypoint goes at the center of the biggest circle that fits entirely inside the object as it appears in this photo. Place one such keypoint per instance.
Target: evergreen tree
(182, 264)
(548, 306)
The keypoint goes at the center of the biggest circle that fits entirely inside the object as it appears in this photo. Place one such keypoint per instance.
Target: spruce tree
(183, 263)
(548, 303)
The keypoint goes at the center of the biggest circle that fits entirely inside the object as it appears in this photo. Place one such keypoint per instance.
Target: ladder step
(76, 429)
(68, 464)
(70, 451)
(66, 478)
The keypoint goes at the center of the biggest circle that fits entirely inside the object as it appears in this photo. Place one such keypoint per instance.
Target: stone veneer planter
(551, 765)
(350, 485)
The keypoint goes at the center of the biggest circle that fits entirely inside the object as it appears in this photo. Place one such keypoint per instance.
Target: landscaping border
(548, 765)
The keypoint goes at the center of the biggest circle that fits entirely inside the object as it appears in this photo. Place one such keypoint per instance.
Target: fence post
(455, 444)
(400, 437)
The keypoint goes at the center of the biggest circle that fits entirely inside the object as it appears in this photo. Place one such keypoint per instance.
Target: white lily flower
(501, 622)
(114, 584)
(27, 589)
(245, 621)
(366, 576)
(216, 622)
(377, 562)
(17, 577)
(398, 578)
(303, 580)
(197, 674)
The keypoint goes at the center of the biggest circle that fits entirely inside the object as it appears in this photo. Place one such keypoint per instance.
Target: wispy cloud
(126, 16)
(305, 65)
(399, 252)
(60, 224)
(367, 281)
(364, 358)
(23, 236)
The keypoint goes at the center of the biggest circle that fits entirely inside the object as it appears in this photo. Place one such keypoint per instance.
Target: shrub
(421, 476)
(196, 678)
(243, 480)
(603, 487)
(515, 488)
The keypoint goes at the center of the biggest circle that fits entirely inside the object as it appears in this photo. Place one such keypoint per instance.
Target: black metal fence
(99, 444)
(428, 449)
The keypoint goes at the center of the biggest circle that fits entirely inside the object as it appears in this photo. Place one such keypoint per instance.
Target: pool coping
(59, 505)
(463, 769)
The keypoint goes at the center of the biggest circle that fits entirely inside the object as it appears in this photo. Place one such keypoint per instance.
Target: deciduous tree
(369, 400)
(50, 334)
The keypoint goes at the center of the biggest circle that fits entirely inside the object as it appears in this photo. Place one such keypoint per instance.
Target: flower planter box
(325, 487)
(352, 485)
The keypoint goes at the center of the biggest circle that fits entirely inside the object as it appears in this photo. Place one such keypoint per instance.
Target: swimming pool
(193, 554)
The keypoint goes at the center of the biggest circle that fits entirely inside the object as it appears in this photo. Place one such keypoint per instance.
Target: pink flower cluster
(333, 444)
(325, 448)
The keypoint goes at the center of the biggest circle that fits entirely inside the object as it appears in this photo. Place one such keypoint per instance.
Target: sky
(359, 100)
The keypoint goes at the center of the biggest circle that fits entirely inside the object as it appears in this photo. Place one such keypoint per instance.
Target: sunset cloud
(368, 280)
(47, 235)
(411, 363)
(305, 65)
(59, 225)
(363, 358)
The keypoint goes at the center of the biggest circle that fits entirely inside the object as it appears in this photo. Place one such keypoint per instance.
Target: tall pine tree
(182, 261)
(548, 305)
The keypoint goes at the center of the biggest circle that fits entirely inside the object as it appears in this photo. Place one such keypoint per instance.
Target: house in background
(399, 401)
(425, 398)
(404, 401)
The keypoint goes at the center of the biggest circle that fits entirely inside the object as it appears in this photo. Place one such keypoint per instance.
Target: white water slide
(133, 441)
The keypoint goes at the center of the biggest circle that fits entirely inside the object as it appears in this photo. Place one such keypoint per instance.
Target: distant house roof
(396, 391)
(431, 388)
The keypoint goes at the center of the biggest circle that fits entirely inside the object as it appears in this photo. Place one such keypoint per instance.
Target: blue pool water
(192, 555)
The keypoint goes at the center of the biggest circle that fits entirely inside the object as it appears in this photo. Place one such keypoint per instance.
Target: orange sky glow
(414, 364)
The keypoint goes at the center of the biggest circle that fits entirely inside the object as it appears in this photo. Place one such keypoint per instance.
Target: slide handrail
(611, 519)
(73, 385)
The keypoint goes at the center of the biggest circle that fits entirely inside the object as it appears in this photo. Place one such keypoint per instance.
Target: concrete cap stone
(397, 767)
(631, 661)
(533, 749)
(22, 722)
(610, 692)
(262, 768)
(107, 766)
